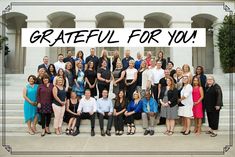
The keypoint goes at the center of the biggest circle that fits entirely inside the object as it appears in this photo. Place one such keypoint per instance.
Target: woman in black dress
(70, 76)
(213, 103)
(104, 56)
(91, 78)
(71, 112)
(103, 77)
(161, 58)
(118, 113)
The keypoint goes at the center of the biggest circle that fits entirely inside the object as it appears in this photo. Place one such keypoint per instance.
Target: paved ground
(138, 144)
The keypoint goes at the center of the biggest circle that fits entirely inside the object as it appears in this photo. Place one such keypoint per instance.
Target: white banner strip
(109, 37)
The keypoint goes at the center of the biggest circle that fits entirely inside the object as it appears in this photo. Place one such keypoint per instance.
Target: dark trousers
(130, 119)
(162, 120)
(130, 90)
(101, 87)
(154, 89)
(101, 120)
(86, 116)
(45, 119)
(213, 119)
(204, 110)
(119, 122)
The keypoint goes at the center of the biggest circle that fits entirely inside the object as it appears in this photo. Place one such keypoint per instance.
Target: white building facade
(113, 14)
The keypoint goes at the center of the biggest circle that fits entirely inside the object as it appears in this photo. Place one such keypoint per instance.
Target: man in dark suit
(93, 58)
(45, 64)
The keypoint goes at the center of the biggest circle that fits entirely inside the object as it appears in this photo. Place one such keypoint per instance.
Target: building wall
(160, 14)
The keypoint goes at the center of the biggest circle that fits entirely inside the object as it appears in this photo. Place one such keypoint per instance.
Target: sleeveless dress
(116, 75)
(30, 111)
(73, 108)
(197, 109)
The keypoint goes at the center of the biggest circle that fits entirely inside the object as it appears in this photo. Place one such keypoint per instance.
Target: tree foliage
(226, 44)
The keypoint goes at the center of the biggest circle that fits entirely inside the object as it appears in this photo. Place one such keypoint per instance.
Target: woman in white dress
(186, 105)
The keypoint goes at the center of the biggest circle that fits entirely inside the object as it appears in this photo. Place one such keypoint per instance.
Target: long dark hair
(77, 55)
(202, 70)
(54, 71)
(123, 103)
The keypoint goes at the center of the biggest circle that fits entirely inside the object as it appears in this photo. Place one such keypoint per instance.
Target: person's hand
(114, 83)
(93, 86)
(179, 100)
(110, 114)
(34, 103)
(151, 114)
(79, 113)
(91, 113)
(63, 103)
(217, 107)
(39, 105)
(107, 81)
(126, 114)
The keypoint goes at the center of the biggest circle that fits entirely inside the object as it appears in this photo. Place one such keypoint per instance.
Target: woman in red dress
(197, 105)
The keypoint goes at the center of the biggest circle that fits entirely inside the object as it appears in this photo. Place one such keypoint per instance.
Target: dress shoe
(75, 133)
(146, 132)
(151, 132)
(102, 133)
(92, 132)
(187, 133)
(108, 133)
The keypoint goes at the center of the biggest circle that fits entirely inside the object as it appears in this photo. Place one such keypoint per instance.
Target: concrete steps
(15, 125)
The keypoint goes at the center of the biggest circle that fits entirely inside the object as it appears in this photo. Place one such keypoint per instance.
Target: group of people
(144, 89)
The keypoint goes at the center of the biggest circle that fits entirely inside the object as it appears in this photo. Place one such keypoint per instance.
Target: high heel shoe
(128, 129)
(182, 132)
(43, 133)
(187, 133)
(133, 129)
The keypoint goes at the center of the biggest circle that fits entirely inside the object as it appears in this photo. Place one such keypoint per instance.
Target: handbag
(180, 104)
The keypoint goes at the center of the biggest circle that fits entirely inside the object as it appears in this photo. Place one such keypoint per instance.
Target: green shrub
(226, 43)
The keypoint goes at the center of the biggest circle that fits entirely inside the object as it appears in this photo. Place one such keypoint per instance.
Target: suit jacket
(213, 97)
(171, 94)
(43, 66)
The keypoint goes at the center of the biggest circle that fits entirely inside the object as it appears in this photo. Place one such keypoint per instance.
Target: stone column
(79, 23)
(34, 55)
(181, 55)
(217, 65)
(11, 57)
(134, 24)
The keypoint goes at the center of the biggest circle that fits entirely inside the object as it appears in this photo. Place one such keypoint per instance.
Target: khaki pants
(59, 114)
(148, 121)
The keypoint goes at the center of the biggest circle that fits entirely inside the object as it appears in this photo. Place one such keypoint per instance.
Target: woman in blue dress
(79, 57)
(30, 104)
(78, 87)
(133, 111)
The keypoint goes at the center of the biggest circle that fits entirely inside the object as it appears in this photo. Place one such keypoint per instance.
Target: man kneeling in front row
(86, 110)
(105, 111)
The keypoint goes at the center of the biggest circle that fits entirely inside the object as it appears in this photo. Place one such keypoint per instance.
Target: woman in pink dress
(197, 105)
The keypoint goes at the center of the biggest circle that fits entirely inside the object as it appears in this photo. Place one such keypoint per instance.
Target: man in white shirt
(86, 110)
(156, 74)
(105, 111)
(60, 64)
